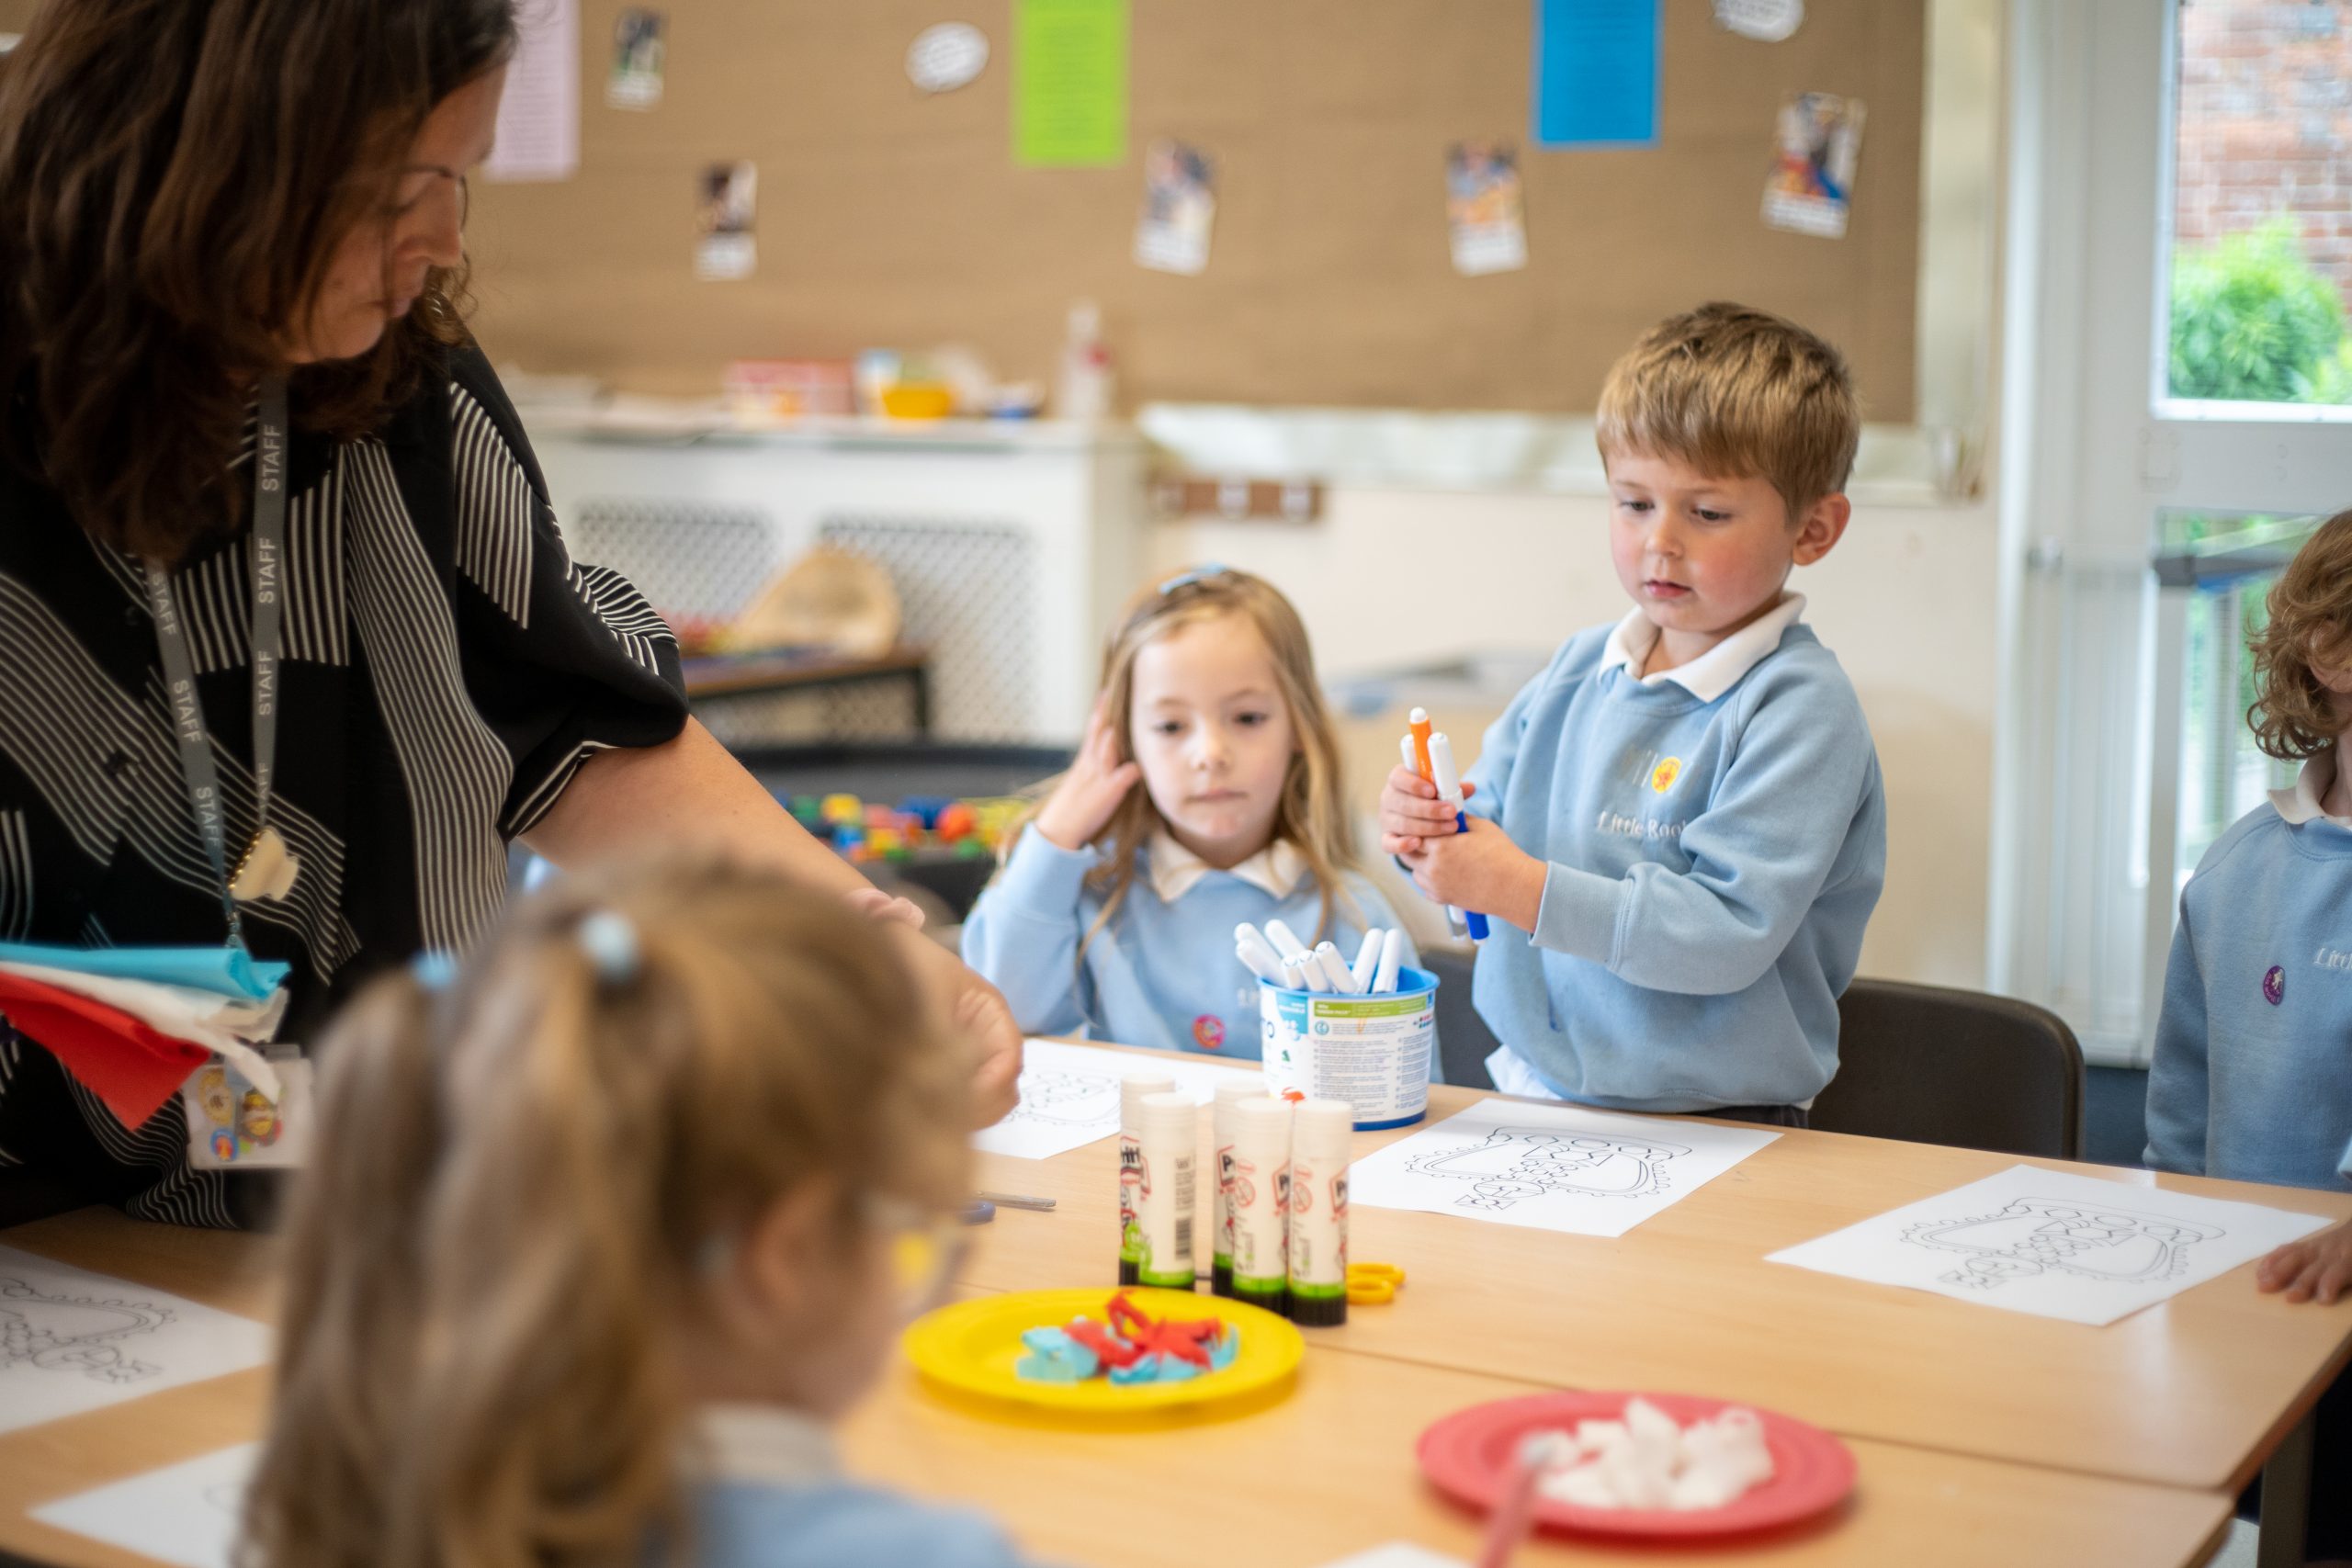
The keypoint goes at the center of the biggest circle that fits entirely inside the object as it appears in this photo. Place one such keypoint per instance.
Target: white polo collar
(767, 1444)
(1714, 672)
(1175, 870)
(2302, 803)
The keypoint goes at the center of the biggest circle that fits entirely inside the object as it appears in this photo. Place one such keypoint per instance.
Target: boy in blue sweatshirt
(1682, 816)
(2253, 1073)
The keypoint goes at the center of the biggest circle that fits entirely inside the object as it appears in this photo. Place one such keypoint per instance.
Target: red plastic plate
(1468, 1455)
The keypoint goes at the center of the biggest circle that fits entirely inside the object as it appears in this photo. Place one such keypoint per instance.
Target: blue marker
(1449, 791)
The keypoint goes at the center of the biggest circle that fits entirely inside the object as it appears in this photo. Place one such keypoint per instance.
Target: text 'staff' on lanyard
(267, 868)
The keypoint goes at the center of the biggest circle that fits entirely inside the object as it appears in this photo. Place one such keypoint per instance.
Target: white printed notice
(1069, 1095)
(184, 1513)
(539, 115)
(1555, 1167)
(72, 1340)
(2054, 1245)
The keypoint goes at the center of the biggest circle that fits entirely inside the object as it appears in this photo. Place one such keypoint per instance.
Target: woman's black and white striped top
(447, 669)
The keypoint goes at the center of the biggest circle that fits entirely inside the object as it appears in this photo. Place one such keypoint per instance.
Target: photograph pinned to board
(72, 1341)
(1485, 217)
(727, 203)
(1817, 143)
(641, 38)
(538, 114)
(1555, 1167)
(1070, 1096)
(946, 57)
(184, 1513)
(1768, 21)
(1179, 208)
(2053, 1244)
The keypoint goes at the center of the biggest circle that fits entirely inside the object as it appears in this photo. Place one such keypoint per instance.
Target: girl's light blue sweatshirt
(1715, 840)
(1162, 972)
(2253, 1073)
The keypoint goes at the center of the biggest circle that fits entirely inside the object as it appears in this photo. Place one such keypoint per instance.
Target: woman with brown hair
(292, 643)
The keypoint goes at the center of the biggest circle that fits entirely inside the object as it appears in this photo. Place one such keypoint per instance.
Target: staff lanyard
(179, 668)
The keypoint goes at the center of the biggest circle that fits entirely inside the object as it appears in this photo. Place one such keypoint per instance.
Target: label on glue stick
(1319, 1230)
(1221, 1233)
(1130, 1178)
(1167, 1223)
(1260, 1226)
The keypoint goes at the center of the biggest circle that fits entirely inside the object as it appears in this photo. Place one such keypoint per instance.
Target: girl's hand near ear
(1082, 804)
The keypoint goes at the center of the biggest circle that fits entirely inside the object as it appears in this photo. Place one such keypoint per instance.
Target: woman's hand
(1082, 804)
(876, 905)
(981, 1013)
(2316, 1268)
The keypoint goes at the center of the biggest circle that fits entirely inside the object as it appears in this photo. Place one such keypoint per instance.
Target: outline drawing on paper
(1514, 1163)
(1064, 1099)
(55, 1334)
(2031, 1235)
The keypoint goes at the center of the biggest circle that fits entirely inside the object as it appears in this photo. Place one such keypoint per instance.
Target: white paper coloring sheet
(184, 1513)
(2053, 1244)
(72, 1340)
(1555, 1167)
(1069, 1095)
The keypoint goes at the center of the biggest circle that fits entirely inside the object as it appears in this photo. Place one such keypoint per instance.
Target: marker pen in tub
(1285, 943)
(1168, 1159)
(1261, 1202)
(1320, 1131)
(1336, 973)
(1392, 959)
(1221, 1123)
(1251, 947)
(1131, 1093)
(1367, 964)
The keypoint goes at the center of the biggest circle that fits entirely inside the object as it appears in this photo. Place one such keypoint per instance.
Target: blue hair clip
(610, 942)
(1200, 573)
(435, 969)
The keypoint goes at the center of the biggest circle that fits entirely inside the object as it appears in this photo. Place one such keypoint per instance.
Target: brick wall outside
(2266, 124)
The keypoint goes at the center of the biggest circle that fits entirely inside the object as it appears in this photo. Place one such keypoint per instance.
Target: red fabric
(121, 1059)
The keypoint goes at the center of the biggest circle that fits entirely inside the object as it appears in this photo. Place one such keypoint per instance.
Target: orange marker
(1419, 719)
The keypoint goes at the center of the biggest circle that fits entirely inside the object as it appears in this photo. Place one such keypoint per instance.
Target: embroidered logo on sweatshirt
(1208, 1031)
(2274, 985)
(2333, 958)
(1637, 827)
(1662, 778)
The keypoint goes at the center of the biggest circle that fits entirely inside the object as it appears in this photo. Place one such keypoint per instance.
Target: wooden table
(2055, 1443)
(2196, 1391)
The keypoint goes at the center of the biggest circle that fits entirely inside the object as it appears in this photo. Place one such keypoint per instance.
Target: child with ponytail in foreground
(605, 1230)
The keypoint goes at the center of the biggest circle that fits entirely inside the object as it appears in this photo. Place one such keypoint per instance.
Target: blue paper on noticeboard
(1596, 73)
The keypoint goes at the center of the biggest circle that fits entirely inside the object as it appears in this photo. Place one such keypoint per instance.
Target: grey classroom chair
(1463, 1041)
(1937, 1065)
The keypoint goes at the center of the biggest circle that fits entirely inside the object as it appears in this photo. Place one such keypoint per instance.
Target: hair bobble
(610, 942)
(434, 969)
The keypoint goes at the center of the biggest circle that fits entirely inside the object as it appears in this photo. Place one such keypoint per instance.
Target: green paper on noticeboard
(1069, 84)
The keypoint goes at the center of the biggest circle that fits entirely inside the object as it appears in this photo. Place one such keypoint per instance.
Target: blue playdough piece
(1054, 1356)
(1227, 1345)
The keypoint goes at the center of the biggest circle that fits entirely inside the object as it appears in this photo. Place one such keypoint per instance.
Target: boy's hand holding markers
(2316, 1268)
(1081, 804)
(1480, 869)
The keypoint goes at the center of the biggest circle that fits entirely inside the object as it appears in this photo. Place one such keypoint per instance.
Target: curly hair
(174, 176)
(2295, 716)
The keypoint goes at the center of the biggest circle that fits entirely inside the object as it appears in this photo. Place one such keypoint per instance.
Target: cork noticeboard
(891, 218)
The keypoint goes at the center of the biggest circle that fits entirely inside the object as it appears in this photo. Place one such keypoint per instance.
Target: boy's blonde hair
(1735, 393)
(2293, 715)
(518, 1181)
(1313, 812)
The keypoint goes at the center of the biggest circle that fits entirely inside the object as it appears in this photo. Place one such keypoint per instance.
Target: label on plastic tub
(1374, 1051)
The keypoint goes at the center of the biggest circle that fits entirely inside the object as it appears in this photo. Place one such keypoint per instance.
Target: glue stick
(1131, 1093)
(1261, 1202)
(1321, 1130)
(1228, 1095)
(1164, 1197)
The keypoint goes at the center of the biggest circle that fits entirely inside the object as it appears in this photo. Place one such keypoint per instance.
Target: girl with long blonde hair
(604, 1230)
(1208, 793)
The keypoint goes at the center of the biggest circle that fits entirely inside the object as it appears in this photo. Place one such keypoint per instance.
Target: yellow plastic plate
(971, 1346)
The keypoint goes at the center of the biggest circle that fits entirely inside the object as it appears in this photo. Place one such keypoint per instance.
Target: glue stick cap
(1233, 1092)
(1131, 1093)
(1172, 1115)
(1320, 1128)
(1262, 1128)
